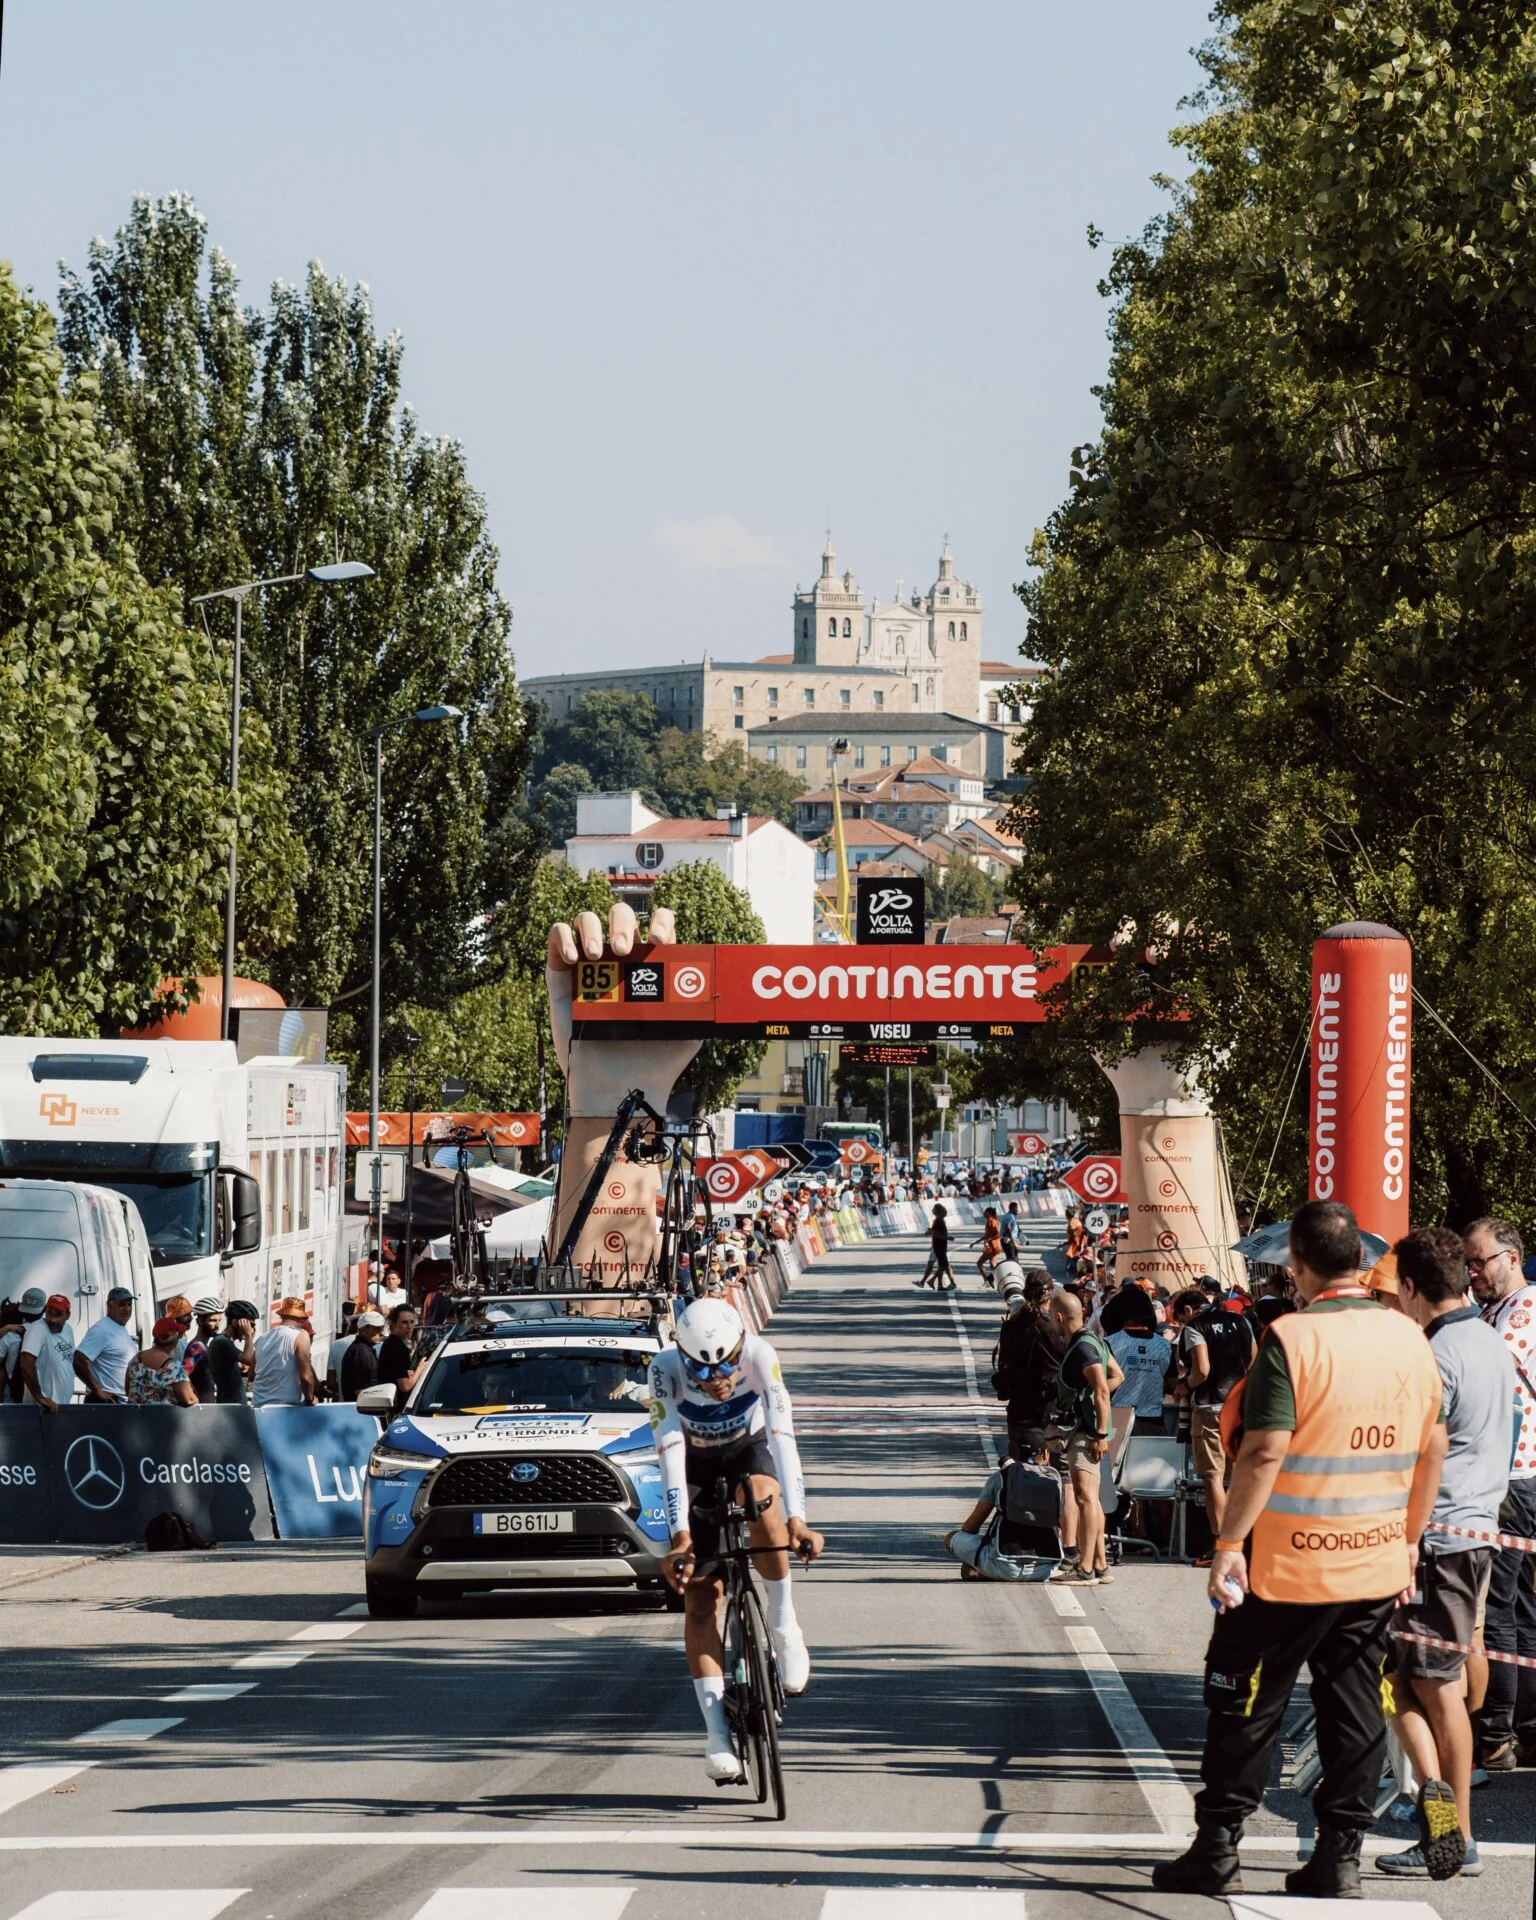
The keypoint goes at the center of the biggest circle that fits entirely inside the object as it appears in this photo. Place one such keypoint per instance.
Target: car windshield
(177, 1210)
(535, 1380)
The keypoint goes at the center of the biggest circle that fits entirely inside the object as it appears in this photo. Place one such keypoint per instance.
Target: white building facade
(618, 836)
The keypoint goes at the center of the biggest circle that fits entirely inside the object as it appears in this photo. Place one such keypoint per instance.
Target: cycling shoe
(794, 1660)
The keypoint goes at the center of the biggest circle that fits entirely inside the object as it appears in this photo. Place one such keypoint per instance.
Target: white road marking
(921, 1903)
(1172, 1803)
(704, 1839)
(329, 1630)
(210, 1690)
(526, 1903)
(1065, 1601)
(972, 1390)
(121, 1732)
(1266, 1906)
(357, 1606)
(147, 1903)
(19, 1783)
(274, 1658)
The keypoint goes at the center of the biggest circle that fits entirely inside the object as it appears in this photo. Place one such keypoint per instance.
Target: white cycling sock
(781, 1604)
(710, 1694)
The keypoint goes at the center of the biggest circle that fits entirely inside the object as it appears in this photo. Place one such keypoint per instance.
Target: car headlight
(385, 1463)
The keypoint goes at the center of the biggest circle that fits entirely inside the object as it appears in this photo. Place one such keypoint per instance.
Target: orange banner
(505, 1129)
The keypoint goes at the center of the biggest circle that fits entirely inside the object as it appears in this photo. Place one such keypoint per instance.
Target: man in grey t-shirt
(1479, 1380)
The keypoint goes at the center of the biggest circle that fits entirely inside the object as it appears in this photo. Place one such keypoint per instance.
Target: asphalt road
(965, 1752)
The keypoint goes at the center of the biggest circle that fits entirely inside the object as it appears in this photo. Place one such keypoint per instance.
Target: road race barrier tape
(1493, 1539)
(1455, 1646)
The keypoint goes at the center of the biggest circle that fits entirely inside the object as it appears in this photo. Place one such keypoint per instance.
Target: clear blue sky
(684, 278)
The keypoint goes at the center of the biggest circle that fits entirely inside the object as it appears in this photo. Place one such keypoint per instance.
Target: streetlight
(400, 720)
(338, 571)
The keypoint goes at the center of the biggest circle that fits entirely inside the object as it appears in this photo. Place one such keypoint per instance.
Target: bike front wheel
(765, 1771)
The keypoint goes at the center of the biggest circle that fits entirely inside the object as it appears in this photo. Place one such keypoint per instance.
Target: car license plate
(536, 1520)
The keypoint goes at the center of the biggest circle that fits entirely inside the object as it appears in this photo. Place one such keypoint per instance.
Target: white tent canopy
(520, 1231)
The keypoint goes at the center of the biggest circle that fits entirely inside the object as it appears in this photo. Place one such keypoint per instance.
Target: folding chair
(1150, 1469)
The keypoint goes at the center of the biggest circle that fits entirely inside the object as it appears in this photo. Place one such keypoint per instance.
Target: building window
(810, 696)
(944, 595)
(739, 721)
(901, 813)
(845, 700)
(799, 756)
(991, 709)
(738, 694)
(911, 754)
(858, 756)
(805, 628)
(773, 696)
(649, 855)
(831, 629)
(885, 760)
(773, 756)
(927, 813)
(570, 701)
(879, 701)
(951, 629)
(963, 634)
(917, 694)
(880, 811)
(847, 629)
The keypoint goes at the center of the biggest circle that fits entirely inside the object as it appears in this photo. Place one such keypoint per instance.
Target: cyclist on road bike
(720, 1410)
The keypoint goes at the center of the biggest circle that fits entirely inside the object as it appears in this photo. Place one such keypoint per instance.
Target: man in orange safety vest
(1337, 1470)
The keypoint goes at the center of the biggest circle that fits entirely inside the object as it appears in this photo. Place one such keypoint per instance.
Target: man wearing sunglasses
(720, 1410)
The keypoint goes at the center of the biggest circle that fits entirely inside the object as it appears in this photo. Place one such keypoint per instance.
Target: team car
(523, 1457)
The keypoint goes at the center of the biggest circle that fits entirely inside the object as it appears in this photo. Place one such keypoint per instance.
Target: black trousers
(1251, 1667)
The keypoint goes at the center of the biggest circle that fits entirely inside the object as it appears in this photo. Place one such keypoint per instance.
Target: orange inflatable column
(1362, 1069)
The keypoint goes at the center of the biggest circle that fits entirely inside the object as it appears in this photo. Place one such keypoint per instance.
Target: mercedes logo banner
(101, 1474)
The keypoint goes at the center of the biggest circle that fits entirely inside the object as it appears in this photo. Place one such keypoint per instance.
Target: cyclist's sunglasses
(702, 1370)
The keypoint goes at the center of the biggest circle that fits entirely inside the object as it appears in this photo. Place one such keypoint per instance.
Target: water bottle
(1231, 1594)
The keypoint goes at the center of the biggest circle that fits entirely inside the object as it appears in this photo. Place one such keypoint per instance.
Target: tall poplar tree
(262, 441)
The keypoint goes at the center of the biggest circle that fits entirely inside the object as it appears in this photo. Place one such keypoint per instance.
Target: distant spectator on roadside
(12, 1328)
(48, 1356)
(360, 1362)
(209, 1314)
(285, 1374)
(1215, 1349)
(1432, 1721)
(395, 1354)
(220, 1376)
(1146, 1359)
(104, 1350)
(1089, 1376)
(390, 1292)
(156, 1377)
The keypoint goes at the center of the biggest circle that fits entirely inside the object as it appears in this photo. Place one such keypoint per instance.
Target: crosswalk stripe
(116, 1732)
(275, 1657)
(20, 1782)
(210, 1690)
(526, 1903)
(1171, 1802)
(145, 1903)
(329, 1630)
(921, 1903)
(1280, 1906)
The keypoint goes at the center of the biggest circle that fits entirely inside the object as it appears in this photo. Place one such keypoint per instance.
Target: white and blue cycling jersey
(683, 1416)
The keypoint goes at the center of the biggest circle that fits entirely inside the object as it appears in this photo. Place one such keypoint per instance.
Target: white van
(78, 1240)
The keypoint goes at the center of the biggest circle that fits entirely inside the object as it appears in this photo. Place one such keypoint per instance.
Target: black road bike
(754, 1693)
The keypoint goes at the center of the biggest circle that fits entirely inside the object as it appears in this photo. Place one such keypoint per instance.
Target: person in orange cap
(285, 1373)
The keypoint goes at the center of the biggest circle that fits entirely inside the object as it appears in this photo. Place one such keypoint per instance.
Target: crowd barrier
(99, 1475)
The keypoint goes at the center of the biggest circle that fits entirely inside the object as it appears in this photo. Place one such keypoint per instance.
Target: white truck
(236, 1170)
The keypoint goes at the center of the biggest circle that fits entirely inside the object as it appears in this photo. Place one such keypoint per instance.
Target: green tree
(965, 890)
(558, 793)
(1286, 607)
(261, 442)
(611, 737)
(695, 776)
(711, 912)
(113, 812)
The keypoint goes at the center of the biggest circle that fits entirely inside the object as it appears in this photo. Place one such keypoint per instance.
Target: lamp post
(424, 714)
(339, 571)
(412, 1042)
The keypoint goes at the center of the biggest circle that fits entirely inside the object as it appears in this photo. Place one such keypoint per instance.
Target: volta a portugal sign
(897, 993)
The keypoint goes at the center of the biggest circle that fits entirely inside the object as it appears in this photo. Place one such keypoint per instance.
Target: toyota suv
(523, 1458)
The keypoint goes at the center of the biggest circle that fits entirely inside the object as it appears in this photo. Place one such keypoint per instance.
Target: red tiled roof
(775, 660)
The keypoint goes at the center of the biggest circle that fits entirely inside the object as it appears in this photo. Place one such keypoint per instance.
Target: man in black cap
(219, 1378)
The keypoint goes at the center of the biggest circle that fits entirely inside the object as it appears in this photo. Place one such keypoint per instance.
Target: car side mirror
(244, 1213)
(379, 1401)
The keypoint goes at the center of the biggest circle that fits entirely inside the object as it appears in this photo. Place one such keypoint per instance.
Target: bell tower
(954, 611)
(829, 619)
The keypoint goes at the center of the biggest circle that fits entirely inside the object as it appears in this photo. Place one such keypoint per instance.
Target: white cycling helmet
(710, 1331)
